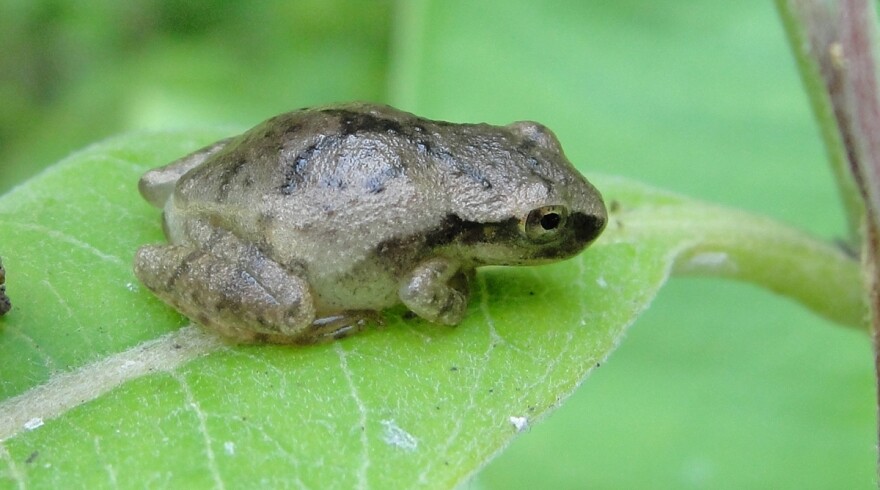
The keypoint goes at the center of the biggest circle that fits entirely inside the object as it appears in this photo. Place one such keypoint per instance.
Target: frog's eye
(544, 223)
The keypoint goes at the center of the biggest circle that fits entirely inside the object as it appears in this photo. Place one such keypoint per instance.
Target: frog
(305, 227)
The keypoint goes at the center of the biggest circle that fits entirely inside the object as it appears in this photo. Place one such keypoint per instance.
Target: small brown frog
(296, 230)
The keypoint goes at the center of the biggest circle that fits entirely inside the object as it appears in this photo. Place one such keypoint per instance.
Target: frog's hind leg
(245, 302)
(157, 184)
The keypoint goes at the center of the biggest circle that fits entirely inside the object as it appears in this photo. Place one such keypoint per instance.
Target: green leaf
(702, 98)
(102, 384)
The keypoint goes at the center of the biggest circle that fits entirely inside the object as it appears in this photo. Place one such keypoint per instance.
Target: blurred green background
(718, 385)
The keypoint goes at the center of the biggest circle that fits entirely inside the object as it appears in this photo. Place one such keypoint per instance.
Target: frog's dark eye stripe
(544, 223)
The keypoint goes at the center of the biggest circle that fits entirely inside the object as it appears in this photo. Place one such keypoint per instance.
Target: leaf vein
(362, 411)
(69, 239)
(68, 390)
(193, 404)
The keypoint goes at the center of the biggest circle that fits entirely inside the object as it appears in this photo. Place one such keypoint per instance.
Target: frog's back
(334, 160)
(339, 181)
(349, 154)
(319, 176)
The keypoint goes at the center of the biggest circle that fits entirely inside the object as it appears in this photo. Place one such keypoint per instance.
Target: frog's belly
(367, 287)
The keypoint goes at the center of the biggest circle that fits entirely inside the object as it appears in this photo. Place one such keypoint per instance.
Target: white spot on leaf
(229, 447)
(712, 261)
(33, 423)
(519, 423)
(395, 436)
(602, 282)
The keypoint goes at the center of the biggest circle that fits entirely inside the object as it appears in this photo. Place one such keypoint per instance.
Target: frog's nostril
(587, 227)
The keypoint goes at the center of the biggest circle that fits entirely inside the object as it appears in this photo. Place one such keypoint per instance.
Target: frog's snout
(588, 226)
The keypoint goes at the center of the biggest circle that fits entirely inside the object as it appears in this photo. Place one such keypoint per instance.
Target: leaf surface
(104, 385)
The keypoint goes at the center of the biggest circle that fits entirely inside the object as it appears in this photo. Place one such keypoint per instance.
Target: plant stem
(808, 26)
(834, 42)
(715, 241)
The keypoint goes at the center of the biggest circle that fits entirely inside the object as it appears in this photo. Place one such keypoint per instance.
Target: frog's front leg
(246, 302)
(437, 290)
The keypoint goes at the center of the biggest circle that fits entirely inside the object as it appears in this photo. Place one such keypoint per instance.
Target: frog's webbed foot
(338, 326)
(438, 290)
(254, 303)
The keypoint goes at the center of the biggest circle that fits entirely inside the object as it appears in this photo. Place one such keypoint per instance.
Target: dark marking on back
(226, 178)
(332, 181)
(526, 146)
(375, 184)
(423, 146)
(461, 167)
(291, 129)
(294, 173)
(353, 122)
(526, 149)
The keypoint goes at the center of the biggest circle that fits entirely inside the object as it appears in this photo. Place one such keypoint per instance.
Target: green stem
(787, 262)
(721, 242)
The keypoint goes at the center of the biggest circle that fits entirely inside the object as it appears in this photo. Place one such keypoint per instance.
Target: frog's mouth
(504, 243)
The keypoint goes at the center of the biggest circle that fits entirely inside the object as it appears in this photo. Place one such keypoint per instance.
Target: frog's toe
(338, 326)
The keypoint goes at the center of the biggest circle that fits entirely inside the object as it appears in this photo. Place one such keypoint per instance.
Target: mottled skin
(296, 230)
